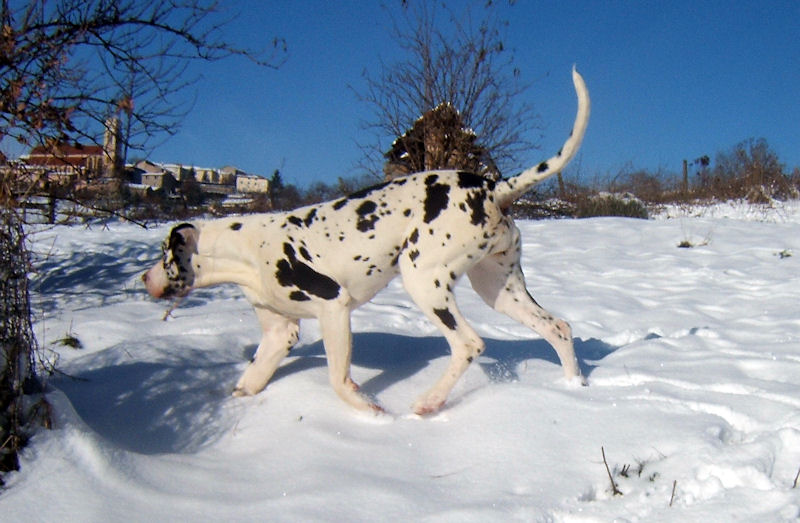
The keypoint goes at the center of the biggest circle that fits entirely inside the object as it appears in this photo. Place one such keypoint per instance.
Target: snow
(692, 357)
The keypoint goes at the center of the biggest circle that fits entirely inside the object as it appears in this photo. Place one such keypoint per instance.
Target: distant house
(220, 182)
(62, 163)
(160, 181)
(146, 166)
(250, 183)
(214, 176)
(74, 159)
(149, 175)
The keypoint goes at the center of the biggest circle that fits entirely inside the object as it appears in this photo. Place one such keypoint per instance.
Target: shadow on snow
(181, 404)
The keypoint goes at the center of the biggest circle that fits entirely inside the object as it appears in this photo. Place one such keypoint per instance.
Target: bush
(606, 204)
(17, 344)
(750, 170)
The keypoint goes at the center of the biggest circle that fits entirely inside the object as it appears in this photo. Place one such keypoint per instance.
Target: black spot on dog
(431, 179)
(363, 193)
(366, 216)
(236, 226)
(309, 219)
(478, 212)
(407, 213)
(339, 204)
(366, 224)
(542, 167)
(284, 274)
(413, 255)
(436, 199)
(468, 180)
(292, 272)
(299, 296)
(294, 220)
(305, 254)
(414, 236)
(446, 317)
(368, 207)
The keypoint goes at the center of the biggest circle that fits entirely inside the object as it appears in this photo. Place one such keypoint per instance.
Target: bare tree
(66, 68)
(465, 66)
(67, 65)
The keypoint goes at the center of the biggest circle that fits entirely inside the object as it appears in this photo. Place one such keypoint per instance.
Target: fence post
(685, 177)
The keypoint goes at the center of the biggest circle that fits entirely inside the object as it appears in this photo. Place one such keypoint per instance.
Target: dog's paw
(239, 392)
(376, 409)
(428, 405)
(576, 381)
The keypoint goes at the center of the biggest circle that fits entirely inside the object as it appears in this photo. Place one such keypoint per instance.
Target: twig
(614, 488)
(672, 497)
(68, 376)
(796, 477)
(175, 305)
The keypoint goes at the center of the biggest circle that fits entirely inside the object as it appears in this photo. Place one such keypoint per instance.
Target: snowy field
(692, 357)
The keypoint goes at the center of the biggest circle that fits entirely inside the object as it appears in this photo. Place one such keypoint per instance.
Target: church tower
(113, 162)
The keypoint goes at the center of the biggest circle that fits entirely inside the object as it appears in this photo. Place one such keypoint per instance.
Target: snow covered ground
(692, 355)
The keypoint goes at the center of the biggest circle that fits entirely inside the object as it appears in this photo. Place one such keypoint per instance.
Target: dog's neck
(211, 270)
(218, 262)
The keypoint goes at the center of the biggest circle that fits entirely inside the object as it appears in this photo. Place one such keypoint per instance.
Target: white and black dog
(325, 260)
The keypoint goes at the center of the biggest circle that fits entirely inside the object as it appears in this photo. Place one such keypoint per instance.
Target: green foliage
(71, 341)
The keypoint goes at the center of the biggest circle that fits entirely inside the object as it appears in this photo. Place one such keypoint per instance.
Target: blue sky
(669, 80)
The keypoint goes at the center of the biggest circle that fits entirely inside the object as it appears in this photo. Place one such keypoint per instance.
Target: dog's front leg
(278, 336)
(338, 341)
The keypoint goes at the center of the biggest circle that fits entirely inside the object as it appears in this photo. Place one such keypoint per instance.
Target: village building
(65, 163)
(222, 182)
(250, 183)
(92, 165)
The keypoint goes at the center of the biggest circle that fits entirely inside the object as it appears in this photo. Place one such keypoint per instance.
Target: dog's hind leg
(432, 292)
(498, 279)
(278, 336)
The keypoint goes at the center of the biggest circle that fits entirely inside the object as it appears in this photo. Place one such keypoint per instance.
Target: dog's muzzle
(156, 282)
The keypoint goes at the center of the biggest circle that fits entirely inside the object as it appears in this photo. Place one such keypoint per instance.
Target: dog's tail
(512, 188)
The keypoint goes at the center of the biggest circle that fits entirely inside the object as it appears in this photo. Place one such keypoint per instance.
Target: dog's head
(174, 275)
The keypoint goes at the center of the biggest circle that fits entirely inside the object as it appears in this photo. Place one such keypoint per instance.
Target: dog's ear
(183, 236)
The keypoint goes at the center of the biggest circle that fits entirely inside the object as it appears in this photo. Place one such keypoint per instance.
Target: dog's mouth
(165, 280)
